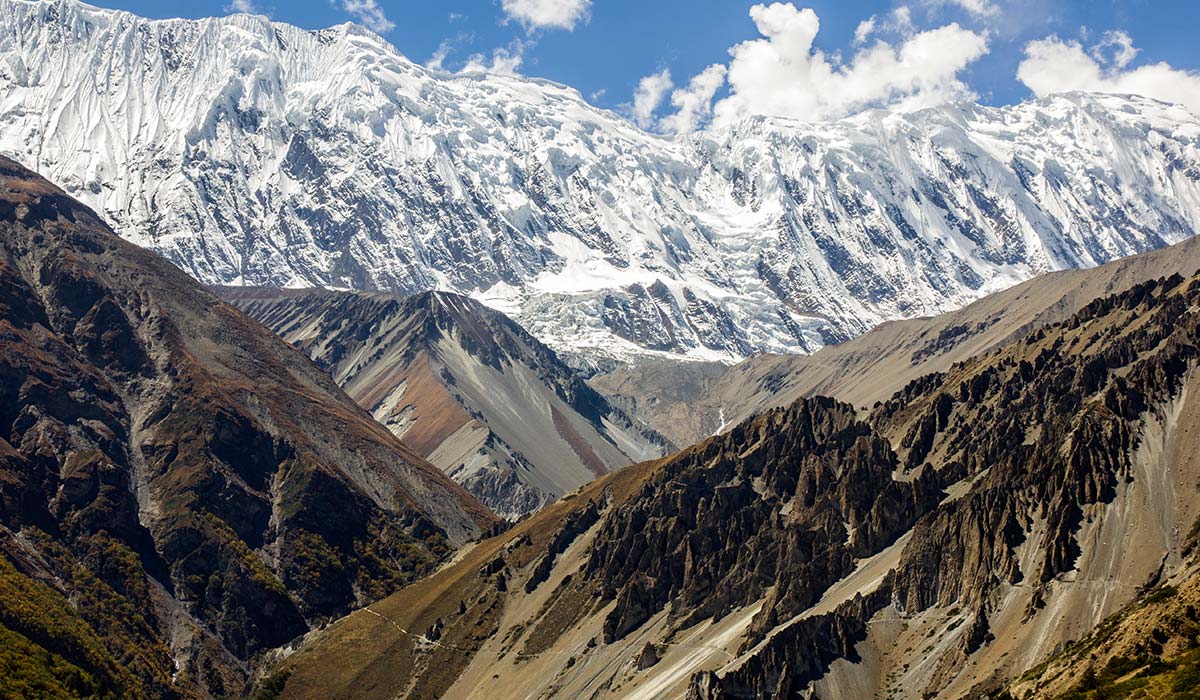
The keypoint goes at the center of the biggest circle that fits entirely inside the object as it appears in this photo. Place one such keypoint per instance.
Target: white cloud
(1053, 65)
(976, 8)
(649, 95)
(505, 60)
(547, 14)
(438, 60)
(864, 30)
(369, 14)
(1116, 48)
(246, 6)
(693, 104)
(898, 21)
(783, 74)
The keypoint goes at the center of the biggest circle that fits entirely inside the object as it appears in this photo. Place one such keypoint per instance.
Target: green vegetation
(48, 650)
(30, 672)
(312, 560)
(259, 572)
(389, 558)
(1126, 677)
(271, 687)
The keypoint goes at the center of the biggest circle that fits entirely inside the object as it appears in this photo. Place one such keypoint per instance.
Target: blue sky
(605, 48)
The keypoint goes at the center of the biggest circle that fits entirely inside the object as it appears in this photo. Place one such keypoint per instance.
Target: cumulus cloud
(246, 6)
(547, 14)
(693, 104)
(865, 29)
(1115, 48)
(783, 74)
(369, 14)
(1055, 65)
(649, 95)
(437, 61)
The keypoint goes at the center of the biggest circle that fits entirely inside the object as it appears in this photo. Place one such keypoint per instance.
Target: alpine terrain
(327, 375)
(464, 386)
(180, 490)
(256, 153)
(1022, 524)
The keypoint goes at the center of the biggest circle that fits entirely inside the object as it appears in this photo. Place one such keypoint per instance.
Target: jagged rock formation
(690, 401)
(463, 385)
(797, 495)
(939, 545)
(256, 153)
(179, 489)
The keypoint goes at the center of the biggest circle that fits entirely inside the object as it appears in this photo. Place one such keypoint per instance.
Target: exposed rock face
(251, 152)
(796, 496)
(165, 458)
(937, 546)
(462, 384)
(1148, 647)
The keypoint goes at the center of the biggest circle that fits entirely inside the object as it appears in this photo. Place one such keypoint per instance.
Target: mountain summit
(250, 152)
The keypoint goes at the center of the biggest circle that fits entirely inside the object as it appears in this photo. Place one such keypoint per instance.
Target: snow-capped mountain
(250, 152)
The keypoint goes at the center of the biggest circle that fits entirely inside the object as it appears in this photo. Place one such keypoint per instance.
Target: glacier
(249, 152)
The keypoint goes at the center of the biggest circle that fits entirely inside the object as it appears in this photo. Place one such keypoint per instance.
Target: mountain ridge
(464, 385)
(942, 544)
(690, 402)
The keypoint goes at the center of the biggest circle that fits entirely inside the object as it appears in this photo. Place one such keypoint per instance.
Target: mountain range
(255, 153)
(325, 375)
(690, 401)
(188, 503)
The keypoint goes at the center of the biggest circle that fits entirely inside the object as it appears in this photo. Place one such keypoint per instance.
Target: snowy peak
(250, 152)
